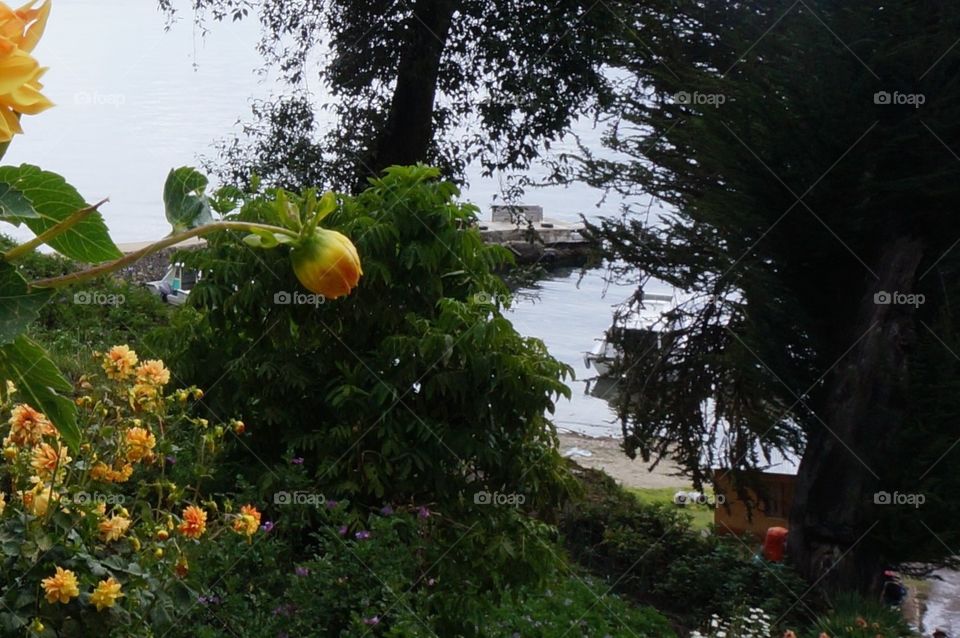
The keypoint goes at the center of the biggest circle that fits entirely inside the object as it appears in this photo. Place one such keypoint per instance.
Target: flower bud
(326, 263)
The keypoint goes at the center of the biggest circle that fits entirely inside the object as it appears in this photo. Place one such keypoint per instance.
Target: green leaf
(40, 383)
(18, 305)
(14, 205)
(54, 200)
(184, 200)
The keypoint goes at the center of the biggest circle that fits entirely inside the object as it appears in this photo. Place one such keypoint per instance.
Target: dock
(535, 239)
(523, 230)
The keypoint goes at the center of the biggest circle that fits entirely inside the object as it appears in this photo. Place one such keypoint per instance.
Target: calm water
(134, 100)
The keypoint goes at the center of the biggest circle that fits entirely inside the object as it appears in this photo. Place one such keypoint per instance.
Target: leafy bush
(724, 578)
(379, 578)
(414, 385)
(100, 539)
(574, 606)
(652, 553)
(852, 616)
(608, 531)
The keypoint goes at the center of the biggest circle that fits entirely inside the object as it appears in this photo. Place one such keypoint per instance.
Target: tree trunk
(864, 408)
(408, 133)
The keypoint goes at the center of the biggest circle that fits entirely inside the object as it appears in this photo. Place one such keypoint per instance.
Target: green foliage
(53, 200)
(406, 386)
(654, 554)
(575, 606)
(385, 576)
(184, 200)
(727, 576)
(852, 616)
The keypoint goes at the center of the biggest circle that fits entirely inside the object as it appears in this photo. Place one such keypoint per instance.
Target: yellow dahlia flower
(248, 521)
(62, 586)
(113, 528)
(28, 426)
(37, 500)
(140, 444)
(106, 593)
(119, 362)
(153, 372)
(327, 263)
(46, 459)
(20, 73)
(194, 522)
(3, 502)
(25, 25)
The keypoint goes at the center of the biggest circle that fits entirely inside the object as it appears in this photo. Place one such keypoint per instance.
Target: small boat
(176, 284)
(632, 325)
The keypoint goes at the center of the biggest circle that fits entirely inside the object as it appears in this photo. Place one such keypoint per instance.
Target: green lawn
(702, 514)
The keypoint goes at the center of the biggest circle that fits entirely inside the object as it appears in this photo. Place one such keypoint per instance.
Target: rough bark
(864, 408)
(408, 133)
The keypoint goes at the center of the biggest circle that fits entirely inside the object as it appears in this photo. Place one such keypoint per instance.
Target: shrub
(414, 389)
(608, 531)
(852, 616)
(653, 554)
(98, 540)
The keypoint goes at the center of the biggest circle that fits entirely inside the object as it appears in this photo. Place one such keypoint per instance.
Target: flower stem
(53, 231)
(166, 242)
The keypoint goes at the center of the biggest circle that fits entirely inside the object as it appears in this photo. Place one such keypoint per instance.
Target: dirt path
(605, 454)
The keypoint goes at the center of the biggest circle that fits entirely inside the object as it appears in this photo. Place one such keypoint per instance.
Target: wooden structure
(771, 508)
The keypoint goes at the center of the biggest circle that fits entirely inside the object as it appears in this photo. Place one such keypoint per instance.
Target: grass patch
(702, 515)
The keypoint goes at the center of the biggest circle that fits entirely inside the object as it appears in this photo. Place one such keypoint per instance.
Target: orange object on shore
(775, 544)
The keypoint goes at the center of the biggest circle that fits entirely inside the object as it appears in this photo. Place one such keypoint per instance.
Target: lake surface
(135, 100)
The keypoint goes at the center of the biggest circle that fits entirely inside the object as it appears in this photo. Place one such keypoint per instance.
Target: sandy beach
(605, 454)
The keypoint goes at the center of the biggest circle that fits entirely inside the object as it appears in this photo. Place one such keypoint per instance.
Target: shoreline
(604, 453)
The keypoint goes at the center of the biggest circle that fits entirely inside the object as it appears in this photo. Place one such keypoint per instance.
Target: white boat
(645, 323)
(176, 284)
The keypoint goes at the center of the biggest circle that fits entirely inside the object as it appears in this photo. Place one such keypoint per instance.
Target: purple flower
(302, 571)
(267, 527)
(297, 461)
(372, 621)
(171, 460)
(362, 535)
(208, 600)
(423, 512)
(343, 530)
(386, 510)
(331, 504)
(286, 610)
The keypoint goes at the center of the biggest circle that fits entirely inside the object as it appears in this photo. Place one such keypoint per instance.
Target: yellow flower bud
(10, 453)
(163, 534)
(135, 543)
(327, 263)
(158, 552)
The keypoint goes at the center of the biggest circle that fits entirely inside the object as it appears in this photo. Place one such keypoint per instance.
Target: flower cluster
(119, 498)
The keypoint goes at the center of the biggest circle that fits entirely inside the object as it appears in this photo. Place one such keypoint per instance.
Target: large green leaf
(54, 200)
(39, 383)
(184, 200)
(18, 304)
